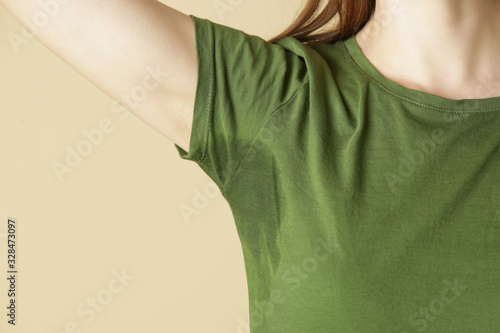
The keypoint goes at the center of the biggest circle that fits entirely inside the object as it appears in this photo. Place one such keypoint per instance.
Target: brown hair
(351, 17)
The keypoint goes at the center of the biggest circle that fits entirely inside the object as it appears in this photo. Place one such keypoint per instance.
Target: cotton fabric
(361, 205)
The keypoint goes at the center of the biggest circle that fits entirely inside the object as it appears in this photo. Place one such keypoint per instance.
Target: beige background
(119, 209)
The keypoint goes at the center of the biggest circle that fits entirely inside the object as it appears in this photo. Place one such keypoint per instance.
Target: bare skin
(449, 48)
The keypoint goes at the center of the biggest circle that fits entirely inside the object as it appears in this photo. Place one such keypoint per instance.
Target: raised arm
(142, 49)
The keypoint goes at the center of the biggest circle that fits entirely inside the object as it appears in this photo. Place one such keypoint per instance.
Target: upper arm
(142, 53)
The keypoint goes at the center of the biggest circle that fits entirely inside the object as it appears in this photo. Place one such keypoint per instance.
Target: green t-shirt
(361, 205)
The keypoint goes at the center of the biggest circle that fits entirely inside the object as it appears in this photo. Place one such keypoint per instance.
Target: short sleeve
(242, 80)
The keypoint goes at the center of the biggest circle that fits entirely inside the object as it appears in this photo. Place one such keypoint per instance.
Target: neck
(445, 47)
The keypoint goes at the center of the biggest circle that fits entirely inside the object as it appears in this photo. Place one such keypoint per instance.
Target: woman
(361, 164)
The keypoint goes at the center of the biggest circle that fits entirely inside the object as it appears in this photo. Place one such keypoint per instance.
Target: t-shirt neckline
(422, 98)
